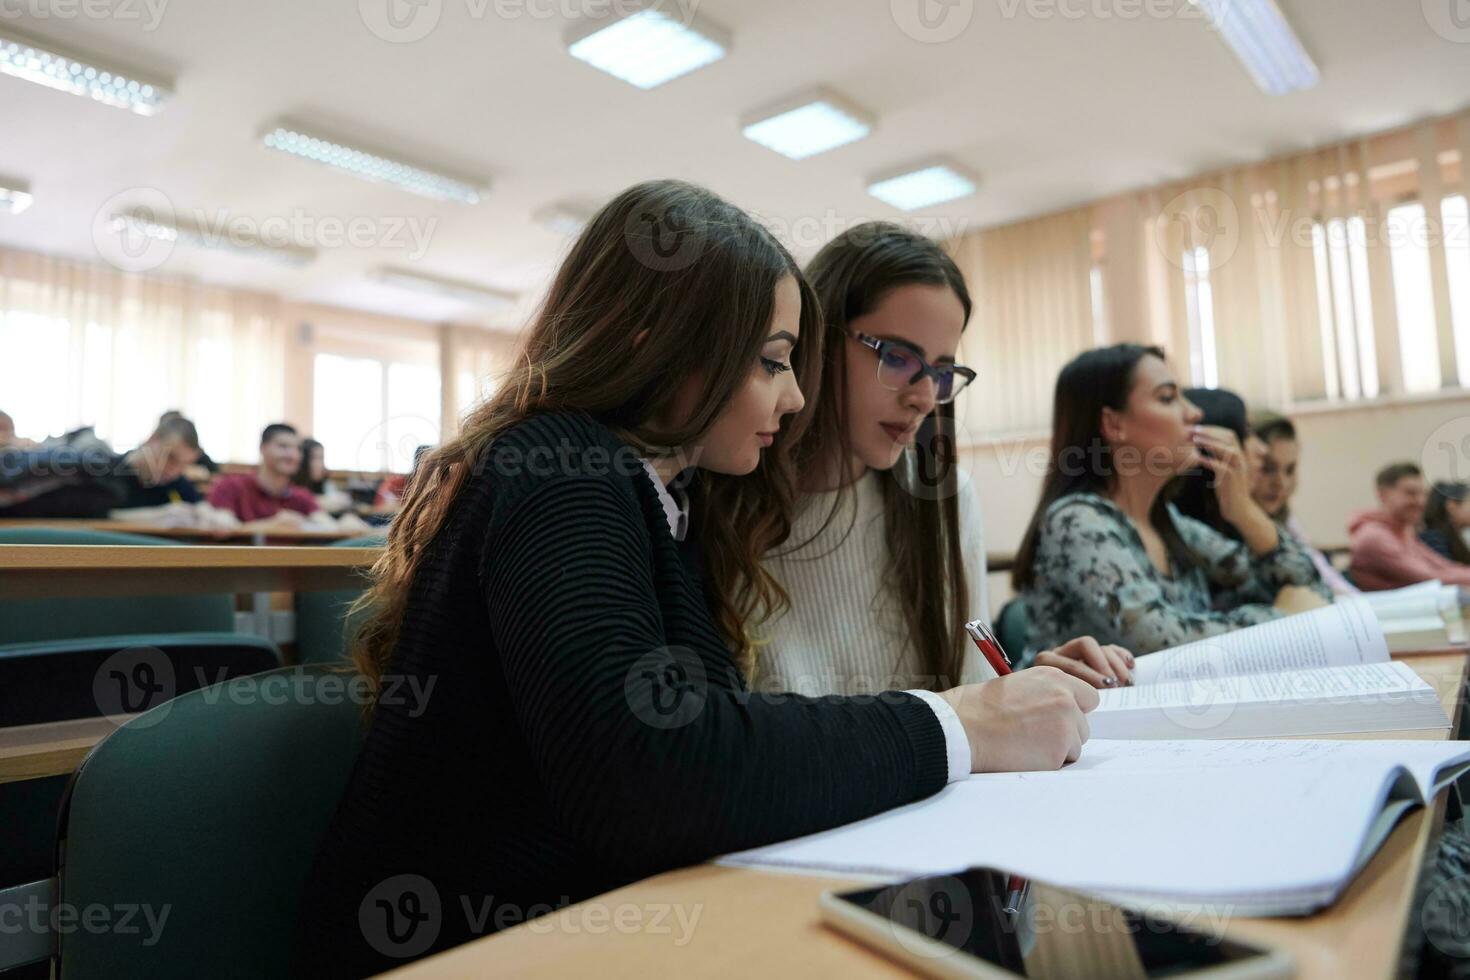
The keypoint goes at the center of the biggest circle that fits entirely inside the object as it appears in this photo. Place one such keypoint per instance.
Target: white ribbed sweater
(844, 632)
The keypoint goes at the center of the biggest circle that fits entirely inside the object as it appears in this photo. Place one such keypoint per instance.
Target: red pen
(994, 653)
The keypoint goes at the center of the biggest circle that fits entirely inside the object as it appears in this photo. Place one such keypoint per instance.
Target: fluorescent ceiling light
(145, 224)
(649, 47)
(565, 218)
(468, 292)
(288, 137)
(15, 197)
(922, 186)
(1258, 33)
(54, 67)
(807, 124)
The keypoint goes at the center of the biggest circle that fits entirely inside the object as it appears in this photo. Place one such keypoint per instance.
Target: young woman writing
(886, 555)
(588, 722)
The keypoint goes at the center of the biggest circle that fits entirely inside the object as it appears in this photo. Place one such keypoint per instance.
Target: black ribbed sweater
(586, 726)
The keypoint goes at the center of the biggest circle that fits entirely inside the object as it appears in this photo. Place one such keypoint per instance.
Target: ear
(1113, 429)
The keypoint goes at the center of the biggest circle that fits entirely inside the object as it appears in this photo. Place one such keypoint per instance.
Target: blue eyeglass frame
(926, 370)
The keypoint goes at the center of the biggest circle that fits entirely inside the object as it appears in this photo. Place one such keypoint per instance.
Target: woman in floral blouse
(1107, 555)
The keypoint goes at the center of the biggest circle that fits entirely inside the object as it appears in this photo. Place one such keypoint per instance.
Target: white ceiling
(1049, 110)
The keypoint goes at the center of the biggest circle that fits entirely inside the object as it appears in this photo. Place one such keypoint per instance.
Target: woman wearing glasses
(885, 561)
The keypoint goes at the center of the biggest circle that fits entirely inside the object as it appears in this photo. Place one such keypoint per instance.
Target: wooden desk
(256, 532)
(753, 923)
(55, 749)
(32, 571)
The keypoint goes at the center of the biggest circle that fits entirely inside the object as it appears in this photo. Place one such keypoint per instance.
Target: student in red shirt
(1387, 552)
(267, 492)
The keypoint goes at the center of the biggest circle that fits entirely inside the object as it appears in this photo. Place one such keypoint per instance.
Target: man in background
(1387, 552)
(153, 474)
(268, 492)
(209, 465)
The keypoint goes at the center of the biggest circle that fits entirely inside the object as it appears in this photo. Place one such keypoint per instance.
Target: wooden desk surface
(246, 533)
(30, 571)
(739, 922)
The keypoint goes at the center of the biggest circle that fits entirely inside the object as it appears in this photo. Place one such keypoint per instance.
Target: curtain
(1031, 288)
(89, 345)
(473, 363)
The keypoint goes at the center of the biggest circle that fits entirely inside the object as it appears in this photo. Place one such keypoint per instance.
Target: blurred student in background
(268, 492)
(312, 477)
(1447, 521)
(1387, 552)
(209, 465)
(153, 474)
(885, 562)
(1276, 485)
(1107, 554)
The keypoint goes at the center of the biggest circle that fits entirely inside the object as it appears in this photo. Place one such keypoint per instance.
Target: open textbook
(1267, 827)
(1426, 616)
(1324, 672)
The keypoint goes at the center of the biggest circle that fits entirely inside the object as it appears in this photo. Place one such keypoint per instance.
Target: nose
(791, 400)
(1192, 412)
(922, 397)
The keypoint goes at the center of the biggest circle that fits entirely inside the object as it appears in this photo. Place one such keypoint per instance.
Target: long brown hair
(1081, 460)
(851, 275)
(668, 281)
(1437, 516)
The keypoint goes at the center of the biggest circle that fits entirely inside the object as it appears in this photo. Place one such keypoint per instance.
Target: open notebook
(1244, 827)
(1324, 672)
(1426, 616)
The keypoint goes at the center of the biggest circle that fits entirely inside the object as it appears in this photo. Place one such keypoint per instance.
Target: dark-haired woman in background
(313, 476)
(1107, 554)
(1447, 521)
(1195, 494)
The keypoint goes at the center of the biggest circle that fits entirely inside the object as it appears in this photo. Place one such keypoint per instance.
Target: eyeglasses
(899, 366)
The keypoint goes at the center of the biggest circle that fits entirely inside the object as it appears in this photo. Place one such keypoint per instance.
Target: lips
(901, 434)
(766, 438)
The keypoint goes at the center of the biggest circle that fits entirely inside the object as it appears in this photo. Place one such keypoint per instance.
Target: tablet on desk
(989, 924)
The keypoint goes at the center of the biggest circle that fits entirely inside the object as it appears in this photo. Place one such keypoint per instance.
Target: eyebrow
(785, 335)
(916, 348)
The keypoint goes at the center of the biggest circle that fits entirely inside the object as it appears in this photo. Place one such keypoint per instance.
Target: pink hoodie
(1387, 556)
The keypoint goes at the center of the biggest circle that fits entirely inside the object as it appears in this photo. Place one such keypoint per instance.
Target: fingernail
(1109, 682)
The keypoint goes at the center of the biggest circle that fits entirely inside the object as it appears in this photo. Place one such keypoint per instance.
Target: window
(1453, 211)
(1099, 306)
(1345, 308)
(472, 391)
(1413, 294)
(1199, 307)
(370, 415)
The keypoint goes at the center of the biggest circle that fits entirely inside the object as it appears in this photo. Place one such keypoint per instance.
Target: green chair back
(321, 617)
(1013, 629)
(34, 620)
(207, 809)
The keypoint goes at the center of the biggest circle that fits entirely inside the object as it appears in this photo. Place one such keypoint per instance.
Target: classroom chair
(88, 678)
(1013, 629)
(211, 806)
(30, 620)
(321, 617)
